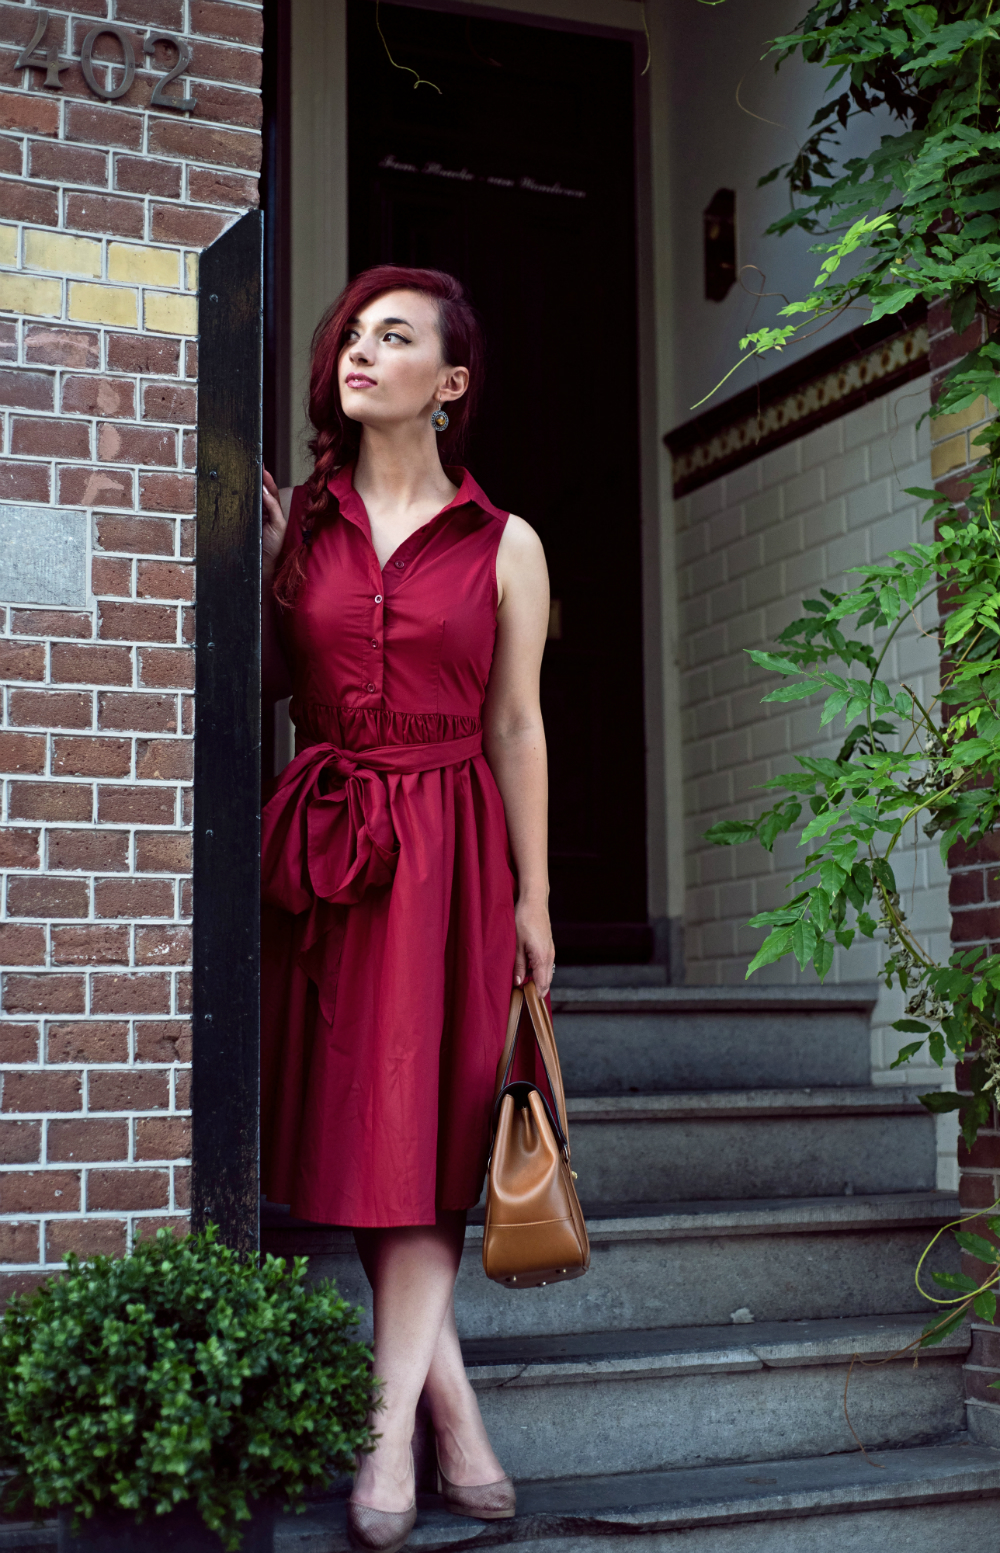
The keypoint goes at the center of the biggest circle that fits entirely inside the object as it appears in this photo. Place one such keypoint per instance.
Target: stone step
(649, 1401)
(751, 1143)
(686, 1264)
(608, 976)
(620, 1040)
(918, 1500)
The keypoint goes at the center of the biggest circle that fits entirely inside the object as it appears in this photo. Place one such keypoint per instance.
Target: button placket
(370, 687)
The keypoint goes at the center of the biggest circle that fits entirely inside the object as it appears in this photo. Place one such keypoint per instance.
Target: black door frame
(226, 911)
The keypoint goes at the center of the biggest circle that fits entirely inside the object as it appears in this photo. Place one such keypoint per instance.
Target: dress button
(371, 687)
(374, 641)
(378, 598)
(399, 564)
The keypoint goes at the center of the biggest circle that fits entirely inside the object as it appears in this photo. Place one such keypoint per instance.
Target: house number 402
(49, 61)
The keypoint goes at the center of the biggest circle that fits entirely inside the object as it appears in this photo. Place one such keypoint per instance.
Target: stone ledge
(860, 996)
(730, 1105)
(640, 1503)
(672, 1352)
(285, 1236)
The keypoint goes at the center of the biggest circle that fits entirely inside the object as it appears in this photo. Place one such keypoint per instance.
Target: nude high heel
(380, 1531)
(484, 1502)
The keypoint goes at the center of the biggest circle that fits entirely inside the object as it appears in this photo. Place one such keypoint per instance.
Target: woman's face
(390, 368)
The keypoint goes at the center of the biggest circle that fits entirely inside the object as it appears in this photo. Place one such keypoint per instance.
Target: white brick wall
(752, 545)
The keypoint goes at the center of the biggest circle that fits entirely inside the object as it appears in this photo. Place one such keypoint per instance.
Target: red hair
(336, 439)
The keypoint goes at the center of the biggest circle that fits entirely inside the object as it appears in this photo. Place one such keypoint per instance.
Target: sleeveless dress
(388, 934)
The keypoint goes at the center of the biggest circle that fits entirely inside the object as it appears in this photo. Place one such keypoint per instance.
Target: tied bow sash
(327, 835)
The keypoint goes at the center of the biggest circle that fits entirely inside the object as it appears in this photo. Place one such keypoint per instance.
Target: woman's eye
(392, 335)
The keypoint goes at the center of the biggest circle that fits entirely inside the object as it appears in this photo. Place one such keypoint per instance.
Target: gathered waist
(386, 758)
(356, 728)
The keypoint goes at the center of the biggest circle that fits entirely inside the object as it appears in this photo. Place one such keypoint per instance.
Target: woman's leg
(412, 1272)
(466, 1455)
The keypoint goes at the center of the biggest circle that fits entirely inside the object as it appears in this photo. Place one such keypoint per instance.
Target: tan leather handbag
(535, 1232)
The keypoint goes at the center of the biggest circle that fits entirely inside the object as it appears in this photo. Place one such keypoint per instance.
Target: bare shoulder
(521, 567)
(520, 545)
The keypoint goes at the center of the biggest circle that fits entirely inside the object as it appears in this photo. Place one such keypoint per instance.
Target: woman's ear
(454, 383)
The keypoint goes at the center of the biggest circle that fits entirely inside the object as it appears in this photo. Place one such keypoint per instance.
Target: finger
(270, 485)
(520, 965)
(543, 976)
(272, 507)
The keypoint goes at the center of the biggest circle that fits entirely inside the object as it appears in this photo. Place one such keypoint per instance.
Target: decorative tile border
(828, 383)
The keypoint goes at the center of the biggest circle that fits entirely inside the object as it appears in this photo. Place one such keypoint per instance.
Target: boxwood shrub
(181, 1372)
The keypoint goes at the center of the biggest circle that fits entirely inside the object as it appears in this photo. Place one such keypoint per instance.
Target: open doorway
(518, 175)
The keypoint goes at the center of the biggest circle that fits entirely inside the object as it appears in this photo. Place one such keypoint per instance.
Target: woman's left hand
(535, 950)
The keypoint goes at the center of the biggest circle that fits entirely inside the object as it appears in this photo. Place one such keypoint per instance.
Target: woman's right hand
(275, 523)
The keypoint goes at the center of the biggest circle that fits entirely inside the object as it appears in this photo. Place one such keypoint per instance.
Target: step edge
(859, 996)
(792, 1217)
(966, 1481)
(738, 1104)
(890, 1340)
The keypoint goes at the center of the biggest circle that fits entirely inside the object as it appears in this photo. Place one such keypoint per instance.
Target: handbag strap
(529, 998)
(545, 1037)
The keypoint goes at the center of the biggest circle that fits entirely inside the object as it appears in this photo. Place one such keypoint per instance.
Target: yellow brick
(23, 294)
(952, 454)
(191, 271)
(8, 244)
(144, 266)
(171, 314)
(947, 425)
(56, 251)
(103, 304)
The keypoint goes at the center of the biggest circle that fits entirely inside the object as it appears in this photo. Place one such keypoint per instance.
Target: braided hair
(336, 438)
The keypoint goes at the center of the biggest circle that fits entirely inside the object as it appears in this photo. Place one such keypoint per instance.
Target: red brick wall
(103, 209)
(974, 888)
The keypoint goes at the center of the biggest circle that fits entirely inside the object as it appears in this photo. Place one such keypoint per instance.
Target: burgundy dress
(388, 933)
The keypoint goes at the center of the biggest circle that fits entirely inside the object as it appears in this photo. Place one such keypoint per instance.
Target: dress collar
(470, 492)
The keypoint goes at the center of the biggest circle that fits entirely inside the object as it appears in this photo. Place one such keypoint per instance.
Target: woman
(407, 616)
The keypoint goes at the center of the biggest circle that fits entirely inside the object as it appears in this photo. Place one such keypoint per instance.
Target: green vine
(919, 217)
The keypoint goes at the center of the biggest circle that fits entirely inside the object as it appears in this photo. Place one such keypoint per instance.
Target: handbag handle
(528, 997)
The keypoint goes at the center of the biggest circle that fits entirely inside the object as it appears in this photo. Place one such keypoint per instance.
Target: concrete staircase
(756, 1210)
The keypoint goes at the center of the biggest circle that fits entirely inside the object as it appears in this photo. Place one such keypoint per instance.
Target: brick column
(104, 206)
(974, 888)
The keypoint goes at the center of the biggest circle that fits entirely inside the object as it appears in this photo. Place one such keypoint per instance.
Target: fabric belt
(326, 830)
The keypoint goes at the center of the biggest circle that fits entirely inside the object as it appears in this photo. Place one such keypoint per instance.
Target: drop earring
(439, 420)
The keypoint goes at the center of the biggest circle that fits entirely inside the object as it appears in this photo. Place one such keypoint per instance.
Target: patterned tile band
(780, 417)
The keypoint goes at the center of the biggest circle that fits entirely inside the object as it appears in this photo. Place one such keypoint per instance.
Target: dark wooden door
(519, 178)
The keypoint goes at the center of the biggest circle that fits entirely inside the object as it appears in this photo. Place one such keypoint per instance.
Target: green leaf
(912, 1026)
(823, 957)
(959, 1281)
(799, 692)
(976, 1246)
(730, 833)
(940, 1101)
(905, 1053)
(803, 942)
(832, 877)
(941, 1327)
(777, 943)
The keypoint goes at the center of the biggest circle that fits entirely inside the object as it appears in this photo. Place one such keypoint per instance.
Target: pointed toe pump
(379, 1531)
(483, 1502)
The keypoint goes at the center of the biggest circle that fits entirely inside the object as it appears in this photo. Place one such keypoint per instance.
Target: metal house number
(49, 61)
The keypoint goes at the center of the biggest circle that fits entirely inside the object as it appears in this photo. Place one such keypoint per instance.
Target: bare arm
(514, 739)
(275, 677)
